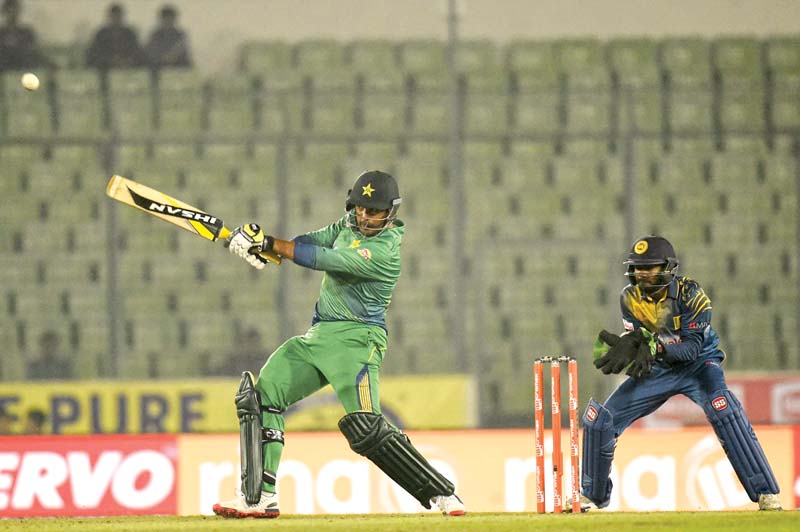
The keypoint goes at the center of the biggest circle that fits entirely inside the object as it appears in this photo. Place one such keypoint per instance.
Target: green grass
(494, 522)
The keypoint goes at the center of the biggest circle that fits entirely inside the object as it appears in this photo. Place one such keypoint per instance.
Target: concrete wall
(216, 27)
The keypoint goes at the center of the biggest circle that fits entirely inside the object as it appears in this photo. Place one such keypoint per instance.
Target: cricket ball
(30, 81)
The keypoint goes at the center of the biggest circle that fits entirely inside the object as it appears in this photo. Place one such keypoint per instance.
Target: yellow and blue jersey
(681, 317)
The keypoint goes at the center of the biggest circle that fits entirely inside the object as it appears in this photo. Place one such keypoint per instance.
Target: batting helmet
(374, 190)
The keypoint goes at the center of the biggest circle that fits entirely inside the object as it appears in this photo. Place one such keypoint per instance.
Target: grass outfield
(494, 522)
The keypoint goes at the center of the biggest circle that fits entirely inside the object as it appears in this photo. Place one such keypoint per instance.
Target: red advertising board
(88, 475)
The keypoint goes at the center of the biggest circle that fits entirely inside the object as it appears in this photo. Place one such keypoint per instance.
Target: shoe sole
(230, 513)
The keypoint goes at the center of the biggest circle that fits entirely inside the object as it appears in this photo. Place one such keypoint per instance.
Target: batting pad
(736, 435)
(371, 436)
(598, 453)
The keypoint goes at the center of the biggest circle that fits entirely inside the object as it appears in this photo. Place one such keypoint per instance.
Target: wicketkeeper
(360, 257)
(669, 347)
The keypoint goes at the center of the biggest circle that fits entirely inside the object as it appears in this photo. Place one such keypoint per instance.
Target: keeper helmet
(375, 190)
(652, 250)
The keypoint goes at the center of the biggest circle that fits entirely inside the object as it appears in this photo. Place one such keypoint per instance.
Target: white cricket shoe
(586, 505)
(769, 502)
(449, 504)
(238, 507)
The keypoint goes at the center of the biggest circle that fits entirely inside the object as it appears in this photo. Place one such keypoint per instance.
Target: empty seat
(737, 58)
(372, 57)
(686, 61)
(181, 98)
(265, 57)
(79, 104)
(319, 55)
(634, 63)
(533, 64)
(130, 103)
(332, 108)
(230, 112)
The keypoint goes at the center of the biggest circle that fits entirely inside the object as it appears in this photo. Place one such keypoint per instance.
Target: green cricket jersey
(360, 272)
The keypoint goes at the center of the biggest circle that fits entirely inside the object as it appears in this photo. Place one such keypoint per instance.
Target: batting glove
(247, 241)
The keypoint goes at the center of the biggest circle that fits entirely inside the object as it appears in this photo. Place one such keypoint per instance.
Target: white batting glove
(246, 241)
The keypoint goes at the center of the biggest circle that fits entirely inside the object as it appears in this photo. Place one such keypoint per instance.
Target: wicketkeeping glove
(247, 241)
(622, 351)
(645, 356)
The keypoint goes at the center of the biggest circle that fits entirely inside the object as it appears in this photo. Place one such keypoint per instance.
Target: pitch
(496, 522)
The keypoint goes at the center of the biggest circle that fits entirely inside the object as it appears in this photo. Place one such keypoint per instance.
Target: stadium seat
(786, 101)
(319, 55)
(79, 104)
(477, 55)
(231, 111)
(583, 65)
(736, 59)
(532, 64)
(372, 57)
(332, 109)
(382, 111)
(265, 57)
(634, 63)
(686, 61)
(181, 99)
(131, 103)
(487, 105)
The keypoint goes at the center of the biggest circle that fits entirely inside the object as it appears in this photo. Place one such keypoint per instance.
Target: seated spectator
(115, 45)
(34, 421)
(18, 47)
(52, 363)
(168, 45)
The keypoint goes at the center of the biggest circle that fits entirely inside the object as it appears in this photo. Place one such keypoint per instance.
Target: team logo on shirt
(367, 190)
(719, 403)
(364, 252)
(355, 243)
(591, 413)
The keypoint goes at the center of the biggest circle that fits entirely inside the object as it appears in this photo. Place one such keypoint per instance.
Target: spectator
(168, 45)
(51, 364)
(6, 420)
(34, 421)
(115, 45)
(18, 47)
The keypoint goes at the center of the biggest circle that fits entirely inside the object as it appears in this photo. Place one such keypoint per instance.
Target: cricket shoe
(238, 508)
(449, 504)
(586, 505)
(769, 502)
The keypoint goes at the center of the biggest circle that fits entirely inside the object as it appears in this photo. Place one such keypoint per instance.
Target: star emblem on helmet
(367, 190)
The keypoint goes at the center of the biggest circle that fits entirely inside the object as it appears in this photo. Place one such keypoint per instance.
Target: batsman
(669, 347)
(360, 257)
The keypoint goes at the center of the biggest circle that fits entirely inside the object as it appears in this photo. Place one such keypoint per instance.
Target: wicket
(538, 410)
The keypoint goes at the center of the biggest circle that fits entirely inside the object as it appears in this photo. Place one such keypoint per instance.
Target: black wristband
(268, 243)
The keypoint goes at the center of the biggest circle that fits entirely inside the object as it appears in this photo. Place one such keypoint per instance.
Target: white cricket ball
(30, 81)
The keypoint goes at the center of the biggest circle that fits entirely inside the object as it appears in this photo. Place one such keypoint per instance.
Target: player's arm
(370, 260)
(249, 240)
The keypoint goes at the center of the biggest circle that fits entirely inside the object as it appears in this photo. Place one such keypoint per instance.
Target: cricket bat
(173, 211)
